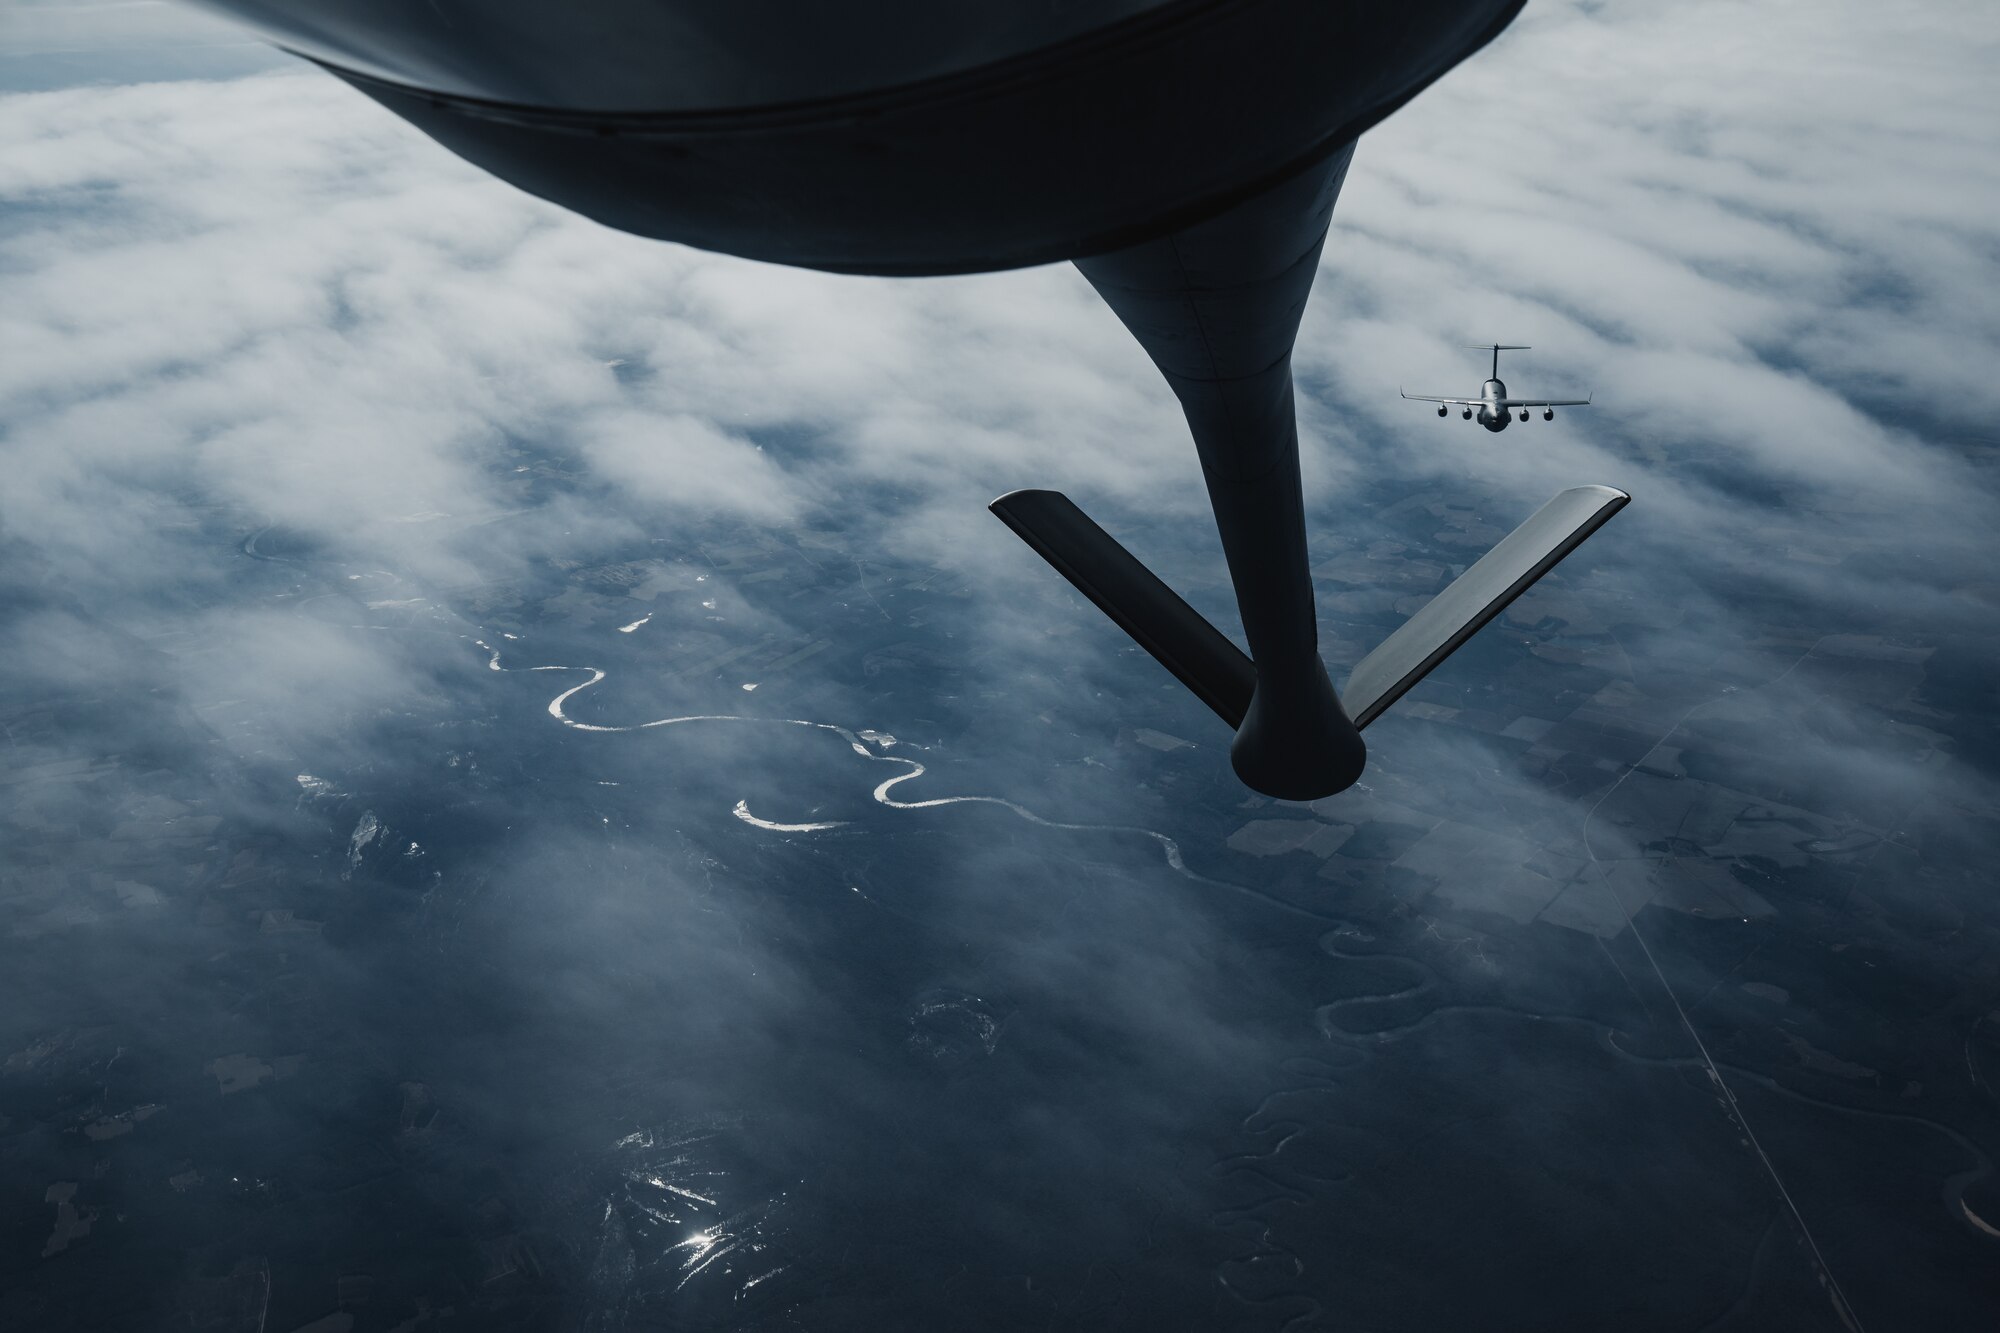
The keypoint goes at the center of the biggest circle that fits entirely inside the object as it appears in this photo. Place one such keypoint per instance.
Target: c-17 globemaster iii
(1493, 407)
(1185, 154)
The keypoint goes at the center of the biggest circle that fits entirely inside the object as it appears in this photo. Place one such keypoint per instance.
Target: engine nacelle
(1467, 414)
(1548, 414)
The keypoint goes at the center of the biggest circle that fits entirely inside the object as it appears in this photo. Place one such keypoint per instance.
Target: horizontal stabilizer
(1475, 597)
(1218, 672)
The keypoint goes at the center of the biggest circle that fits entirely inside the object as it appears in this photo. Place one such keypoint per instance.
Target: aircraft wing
(1482, 592)
(1545, 402)
(1455, 402)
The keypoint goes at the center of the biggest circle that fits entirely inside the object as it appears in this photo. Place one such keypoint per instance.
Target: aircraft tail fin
(1218, 672)
(1496, 349)
(1475, 597)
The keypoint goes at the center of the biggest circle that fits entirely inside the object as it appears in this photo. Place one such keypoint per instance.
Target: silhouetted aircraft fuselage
(1185, 153)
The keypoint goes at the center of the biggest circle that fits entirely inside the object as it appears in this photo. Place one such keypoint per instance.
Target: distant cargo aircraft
(1186, 154)
(1493, 407)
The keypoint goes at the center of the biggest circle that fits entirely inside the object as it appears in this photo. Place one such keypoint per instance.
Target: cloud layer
(327, 462)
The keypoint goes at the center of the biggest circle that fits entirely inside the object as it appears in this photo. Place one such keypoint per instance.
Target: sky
(235, 295)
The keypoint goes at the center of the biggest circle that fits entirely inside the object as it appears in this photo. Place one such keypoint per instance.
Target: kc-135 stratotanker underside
(1186, 154)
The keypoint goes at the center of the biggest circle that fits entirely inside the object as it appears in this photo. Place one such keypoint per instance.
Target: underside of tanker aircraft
(1185, 154)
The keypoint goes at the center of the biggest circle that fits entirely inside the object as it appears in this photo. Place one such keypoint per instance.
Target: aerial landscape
(534, 796)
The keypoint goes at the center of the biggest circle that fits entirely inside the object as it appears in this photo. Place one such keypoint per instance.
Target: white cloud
(682, 464)
(1769, 231)
(271, 292)
(1764, 238)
